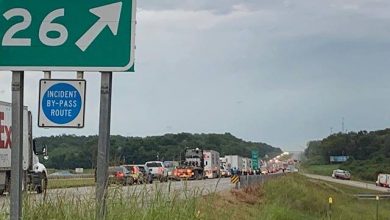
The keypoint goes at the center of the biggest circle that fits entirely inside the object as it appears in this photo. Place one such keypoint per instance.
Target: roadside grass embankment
(324, 170)
(161, 201)
(288, 197)
(297, 197)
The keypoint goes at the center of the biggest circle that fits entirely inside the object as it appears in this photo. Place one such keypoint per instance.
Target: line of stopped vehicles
(198, 164)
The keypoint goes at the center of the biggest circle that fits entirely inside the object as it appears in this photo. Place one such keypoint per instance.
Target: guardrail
(372, 196)
(248, 180)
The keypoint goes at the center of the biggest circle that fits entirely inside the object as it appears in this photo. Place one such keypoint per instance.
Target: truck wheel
(198, 176)
(42, 188)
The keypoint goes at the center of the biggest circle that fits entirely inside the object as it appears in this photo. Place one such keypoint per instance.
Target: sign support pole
(80, 74)
(47, 74)
(17, 145)
(103, 145)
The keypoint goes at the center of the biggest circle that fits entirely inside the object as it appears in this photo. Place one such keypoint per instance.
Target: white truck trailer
(247, 165)
(34, 173)
(211, 164)
(235, 163)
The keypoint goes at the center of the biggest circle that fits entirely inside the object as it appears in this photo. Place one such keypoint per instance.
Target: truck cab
(34, 172)
(192, 167)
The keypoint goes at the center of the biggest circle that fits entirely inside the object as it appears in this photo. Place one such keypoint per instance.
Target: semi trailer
(34, 172)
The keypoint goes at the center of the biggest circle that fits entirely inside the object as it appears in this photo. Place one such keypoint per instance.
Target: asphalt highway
(358, 184)
(181, 188)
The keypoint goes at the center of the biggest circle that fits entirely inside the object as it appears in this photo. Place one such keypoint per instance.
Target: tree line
(71, 151)
(369, 152)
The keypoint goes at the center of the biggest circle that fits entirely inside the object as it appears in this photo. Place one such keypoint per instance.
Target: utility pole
(342, 125)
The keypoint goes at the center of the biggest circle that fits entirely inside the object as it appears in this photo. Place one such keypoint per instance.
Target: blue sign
(61, 103)
(338, 159)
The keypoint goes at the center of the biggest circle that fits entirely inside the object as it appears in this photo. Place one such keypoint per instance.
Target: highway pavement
(180, 188)
(363, 185)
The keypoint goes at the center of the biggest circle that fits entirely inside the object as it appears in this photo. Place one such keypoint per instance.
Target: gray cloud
(283, 72)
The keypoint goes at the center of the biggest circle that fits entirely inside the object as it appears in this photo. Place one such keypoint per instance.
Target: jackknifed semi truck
(34, 172)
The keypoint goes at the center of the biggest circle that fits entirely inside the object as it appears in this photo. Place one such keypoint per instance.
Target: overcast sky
(280, 72)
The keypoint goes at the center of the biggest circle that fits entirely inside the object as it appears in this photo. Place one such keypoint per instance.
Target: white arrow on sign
(109, 15)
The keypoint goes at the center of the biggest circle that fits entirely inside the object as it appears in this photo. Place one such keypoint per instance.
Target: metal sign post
(103, 145)
(17, 145)
(377, 207)
(330, 200)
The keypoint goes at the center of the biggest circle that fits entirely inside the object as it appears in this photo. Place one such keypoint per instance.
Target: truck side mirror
(41, 151)
(34, 147)
(44, 152)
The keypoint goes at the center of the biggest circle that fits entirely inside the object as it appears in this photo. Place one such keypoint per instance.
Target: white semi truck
(225, 170)
(34, 172)
(235, 163)
(247, 165)
(211, 164)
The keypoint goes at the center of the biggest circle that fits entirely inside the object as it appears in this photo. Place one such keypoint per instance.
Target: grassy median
(71, 182)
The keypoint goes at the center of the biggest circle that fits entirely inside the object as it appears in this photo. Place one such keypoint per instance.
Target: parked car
(158, 170)
(383, 180)
(135, 173)
(147, 176)
(341, 174)
(120, 175)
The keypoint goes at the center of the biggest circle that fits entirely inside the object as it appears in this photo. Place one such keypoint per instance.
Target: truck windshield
(153, 164)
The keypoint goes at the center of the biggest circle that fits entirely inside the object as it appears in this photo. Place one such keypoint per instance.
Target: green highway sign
(67, 35)
(255, 159)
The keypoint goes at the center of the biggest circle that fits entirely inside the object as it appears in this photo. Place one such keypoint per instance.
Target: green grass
(121, 205)
(367, 169)
(325, 170)
(71, 182)
(303, 198)
(359, 172)
(288, 197)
